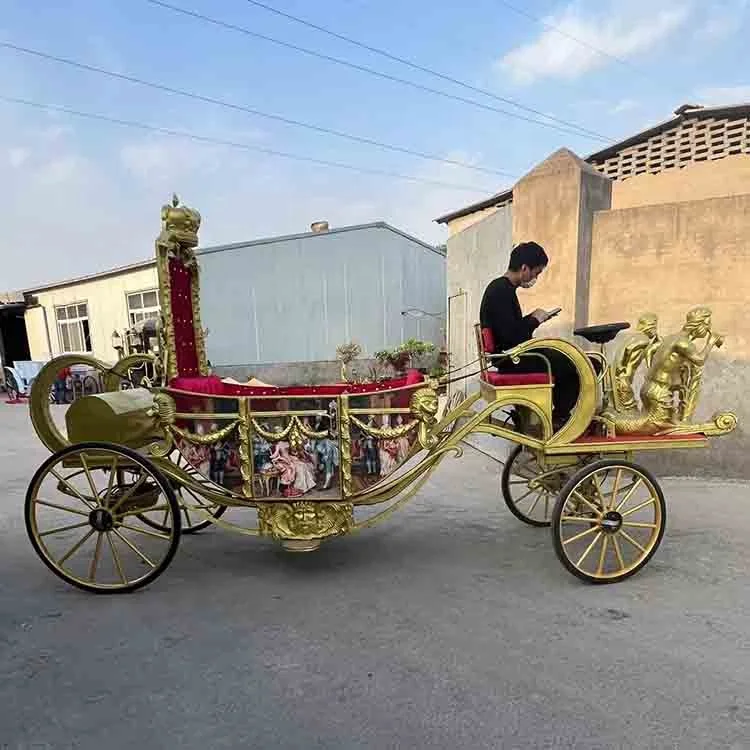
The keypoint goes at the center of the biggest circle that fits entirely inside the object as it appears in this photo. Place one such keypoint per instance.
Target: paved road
(451, 626)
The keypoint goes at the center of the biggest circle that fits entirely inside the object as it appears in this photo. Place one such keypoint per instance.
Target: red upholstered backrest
(488, 341)
(182, 318)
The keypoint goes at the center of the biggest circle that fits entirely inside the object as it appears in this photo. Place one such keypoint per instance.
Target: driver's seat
(485, 350)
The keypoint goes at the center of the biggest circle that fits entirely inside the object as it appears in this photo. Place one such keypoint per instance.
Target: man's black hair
(528, 254)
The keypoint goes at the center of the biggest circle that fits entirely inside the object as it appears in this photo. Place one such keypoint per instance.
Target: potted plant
(400, 357)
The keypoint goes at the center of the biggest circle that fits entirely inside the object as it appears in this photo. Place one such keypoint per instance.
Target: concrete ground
(450, 626)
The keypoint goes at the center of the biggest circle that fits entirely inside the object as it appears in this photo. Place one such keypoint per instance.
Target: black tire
(506, 480)
(590, 520)
(133, 457)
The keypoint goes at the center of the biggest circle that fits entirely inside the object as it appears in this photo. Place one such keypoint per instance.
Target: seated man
(500, 311)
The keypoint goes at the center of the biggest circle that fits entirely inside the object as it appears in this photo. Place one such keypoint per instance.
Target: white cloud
(17, 156)
(717, 95)
(624, 105)
(79, 205)
(622, 30)
(721, 19)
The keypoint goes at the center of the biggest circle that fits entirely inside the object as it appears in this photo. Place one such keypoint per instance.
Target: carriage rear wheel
(189, 498)
(527, 499)
(529, 490)
(193, 521)
(84, 510)
(608, 521)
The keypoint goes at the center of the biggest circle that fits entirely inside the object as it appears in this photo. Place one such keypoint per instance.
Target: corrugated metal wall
(296, 299)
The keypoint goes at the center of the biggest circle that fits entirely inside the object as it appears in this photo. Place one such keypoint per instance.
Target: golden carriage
(140, 466)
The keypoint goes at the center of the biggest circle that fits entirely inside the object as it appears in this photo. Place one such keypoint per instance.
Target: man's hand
(540, 315)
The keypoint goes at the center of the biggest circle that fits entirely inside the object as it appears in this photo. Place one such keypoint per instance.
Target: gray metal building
(296, 298)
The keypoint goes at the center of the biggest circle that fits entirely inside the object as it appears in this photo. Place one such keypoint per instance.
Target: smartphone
(554, 312)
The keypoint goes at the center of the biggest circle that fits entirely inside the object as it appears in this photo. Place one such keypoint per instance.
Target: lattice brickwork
(690, 141)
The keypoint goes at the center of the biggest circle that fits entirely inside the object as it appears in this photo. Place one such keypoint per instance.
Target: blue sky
(83, 196)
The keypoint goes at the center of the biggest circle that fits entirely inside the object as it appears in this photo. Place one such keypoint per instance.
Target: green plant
(400, 357)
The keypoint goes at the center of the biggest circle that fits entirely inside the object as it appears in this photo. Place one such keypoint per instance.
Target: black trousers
(566, 386)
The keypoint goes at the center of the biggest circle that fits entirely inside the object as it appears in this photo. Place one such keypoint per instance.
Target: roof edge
(90, 277)
(688, 111)
(474, 207)
(303, 235)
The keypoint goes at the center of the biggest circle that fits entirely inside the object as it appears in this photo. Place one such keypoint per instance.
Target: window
(73, 327)
(142, 306)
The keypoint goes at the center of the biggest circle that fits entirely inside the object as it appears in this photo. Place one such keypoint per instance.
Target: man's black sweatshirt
(500, 311)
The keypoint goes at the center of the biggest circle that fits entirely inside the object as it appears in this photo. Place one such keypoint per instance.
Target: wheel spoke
(129, 493)
(112, 475)
(650, 501)
(187, 515)
(603, 555)
(524, 496)
(87, 471)
(618, 552)
(533, 505)
(640, 525)
(116, 558)
(615, 489)
(577, 519)
(580, 497)
(60, 529)
(75, 548)
(599, 493)
(64, 481)
(145, 532)
(142, 511)
(134, 548)
(588, 549)
(630, 493)
(47, 504)
(627, 536)
(95, 559)
(575, 538)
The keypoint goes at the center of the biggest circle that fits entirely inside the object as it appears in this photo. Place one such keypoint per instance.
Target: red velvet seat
(211, 385)
(502, 379)
(508, 379)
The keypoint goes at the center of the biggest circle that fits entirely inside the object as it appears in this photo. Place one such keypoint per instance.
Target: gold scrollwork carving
(206, 438)
(385, 433)
(345, 438)
(424, 406)
(304, 520)
(246, 459)
(295, 430)
(164, 412)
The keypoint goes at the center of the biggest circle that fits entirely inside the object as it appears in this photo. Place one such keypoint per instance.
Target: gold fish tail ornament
(722, 423)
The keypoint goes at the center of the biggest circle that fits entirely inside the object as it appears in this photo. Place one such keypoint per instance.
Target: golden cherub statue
(636, 351)
(670, 392)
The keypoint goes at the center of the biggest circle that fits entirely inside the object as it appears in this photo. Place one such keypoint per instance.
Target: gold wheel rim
(610, 522)
(84, 520)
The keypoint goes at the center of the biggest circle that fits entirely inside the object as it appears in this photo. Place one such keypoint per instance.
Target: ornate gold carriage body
(141, 466)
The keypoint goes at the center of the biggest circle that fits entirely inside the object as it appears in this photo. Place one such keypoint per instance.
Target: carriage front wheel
(84, 510)
(608, 521)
